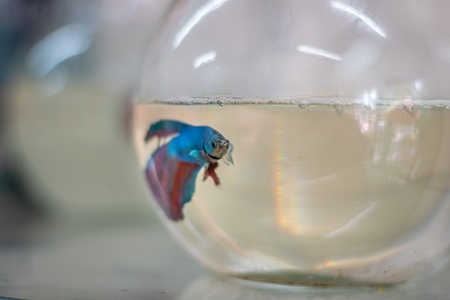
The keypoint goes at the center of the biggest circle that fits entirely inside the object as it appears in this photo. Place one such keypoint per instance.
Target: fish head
(216, 145)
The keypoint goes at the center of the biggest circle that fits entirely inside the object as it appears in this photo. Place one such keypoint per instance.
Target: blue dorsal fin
(164, 128)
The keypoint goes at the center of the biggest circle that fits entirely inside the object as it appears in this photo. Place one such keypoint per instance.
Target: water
(331, 193)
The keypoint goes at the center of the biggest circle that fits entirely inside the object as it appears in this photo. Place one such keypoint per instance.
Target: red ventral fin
(210, 172)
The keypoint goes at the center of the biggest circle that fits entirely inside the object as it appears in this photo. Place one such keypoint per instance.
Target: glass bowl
(301, 142)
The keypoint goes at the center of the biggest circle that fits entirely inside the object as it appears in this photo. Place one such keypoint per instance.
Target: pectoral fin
(227, 159)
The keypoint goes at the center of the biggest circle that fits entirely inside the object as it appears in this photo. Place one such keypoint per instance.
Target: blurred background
(74, 217)
(68, 69)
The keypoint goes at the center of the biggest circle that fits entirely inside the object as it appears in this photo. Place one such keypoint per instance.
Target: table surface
(140, 262)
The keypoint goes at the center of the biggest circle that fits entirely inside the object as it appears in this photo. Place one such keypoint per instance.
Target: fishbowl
(301, 142)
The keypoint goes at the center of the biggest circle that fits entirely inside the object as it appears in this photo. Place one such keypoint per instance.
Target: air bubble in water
(303, 105)
(408, 106)
(337, 108)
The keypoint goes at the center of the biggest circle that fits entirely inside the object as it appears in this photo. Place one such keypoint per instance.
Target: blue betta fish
(173, 168)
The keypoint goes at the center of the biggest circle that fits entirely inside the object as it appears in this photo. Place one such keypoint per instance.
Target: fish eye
(214, 145)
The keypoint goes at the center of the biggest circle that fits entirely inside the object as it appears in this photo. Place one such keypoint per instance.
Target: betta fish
(173, 167)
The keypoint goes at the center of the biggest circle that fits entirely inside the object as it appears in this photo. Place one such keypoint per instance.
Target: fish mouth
(214, 157)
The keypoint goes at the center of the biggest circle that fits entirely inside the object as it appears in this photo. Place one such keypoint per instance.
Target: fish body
(172, 169)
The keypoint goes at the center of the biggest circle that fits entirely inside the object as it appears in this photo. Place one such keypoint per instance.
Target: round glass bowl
(336, 116)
